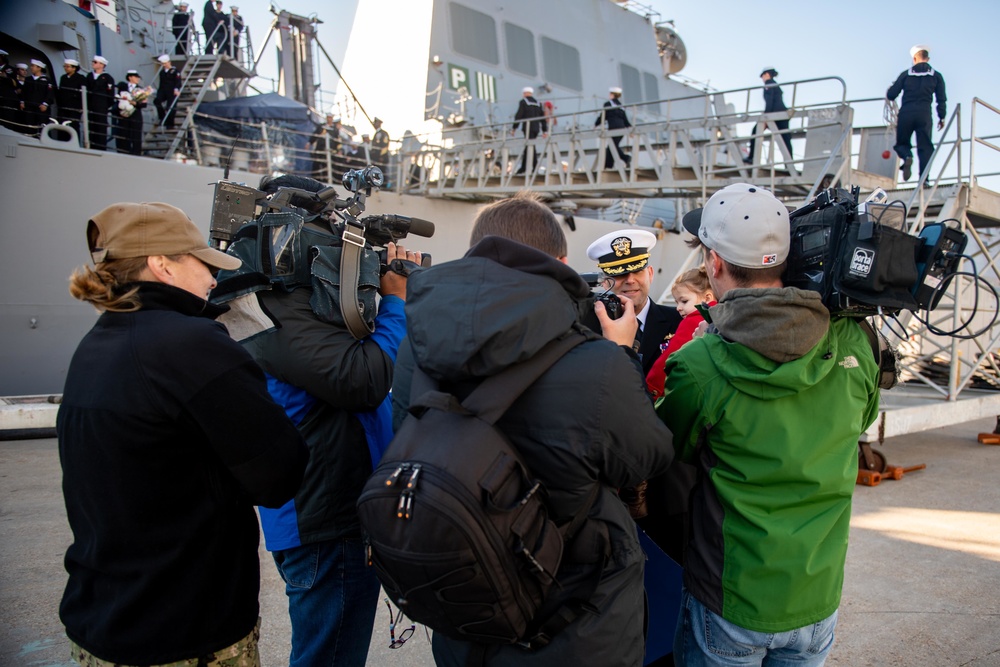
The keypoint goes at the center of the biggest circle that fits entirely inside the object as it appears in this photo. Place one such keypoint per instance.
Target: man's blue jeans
(706, 639)
(332, 597)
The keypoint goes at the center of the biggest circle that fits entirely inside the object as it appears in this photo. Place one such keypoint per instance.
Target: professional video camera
(857, 256)
(293, 232)
(600, 287)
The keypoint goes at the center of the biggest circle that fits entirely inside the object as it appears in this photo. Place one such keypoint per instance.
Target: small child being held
(689, 290)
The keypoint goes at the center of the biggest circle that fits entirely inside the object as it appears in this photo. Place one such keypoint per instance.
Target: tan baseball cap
(127, 230)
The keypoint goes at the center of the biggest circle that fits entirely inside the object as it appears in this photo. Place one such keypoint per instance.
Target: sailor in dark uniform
(615, 118)
(169, 89)
(37, 98)
(69, 96)
(380, 147)
(773, 101)
(919, 85)
(213, 23)
(10, 93)
(182, 26)
(531, 118)
(234, 26)
(623, 256)
(100, 95)
(129, 137)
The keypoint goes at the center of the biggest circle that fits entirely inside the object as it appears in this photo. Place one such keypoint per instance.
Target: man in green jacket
(768, 405)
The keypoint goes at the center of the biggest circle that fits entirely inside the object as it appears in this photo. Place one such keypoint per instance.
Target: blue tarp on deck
(289, 122)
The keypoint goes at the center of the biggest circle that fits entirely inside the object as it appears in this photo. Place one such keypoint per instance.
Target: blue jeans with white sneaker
(705, 639)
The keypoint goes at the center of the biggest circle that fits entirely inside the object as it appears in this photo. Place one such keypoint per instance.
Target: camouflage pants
(241, 654)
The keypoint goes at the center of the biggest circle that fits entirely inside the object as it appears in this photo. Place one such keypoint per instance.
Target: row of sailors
(27, 100)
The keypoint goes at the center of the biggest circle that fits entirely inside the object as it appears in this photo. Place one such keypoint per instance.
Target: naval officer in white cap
(623, 256)
(920, 84)
(616, 118)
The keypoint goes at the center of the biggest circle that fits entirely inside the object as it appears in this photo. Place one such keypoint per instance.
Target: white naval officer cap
(621, 252)
(917, 48)
(527, 90)
(163, 59)
(71, 61)
(38, 63)
(616, 90)
(100, 59)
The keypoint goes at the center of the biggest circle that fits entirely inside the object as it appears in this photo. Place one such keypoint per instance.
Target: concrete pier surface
(922, 586)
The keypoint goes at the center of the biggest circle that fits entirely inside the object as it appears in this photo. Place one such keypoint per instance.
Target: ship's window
(474, 34)
(520, 45)
(561, 63)
(652, 87)
(631, 84)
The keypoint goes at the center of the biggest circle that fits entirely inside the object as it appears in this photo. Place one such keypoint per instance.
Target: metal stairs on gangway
(199, 74)
(684, 154)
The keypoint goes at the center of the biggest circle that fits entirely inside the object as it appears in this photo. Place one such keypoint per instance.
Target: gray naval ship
(457, 88)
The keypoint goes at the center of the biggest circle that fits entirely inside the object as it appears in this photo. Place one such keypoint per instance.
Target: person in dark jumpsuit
(616, 118)
(919, 85)
(773, 101)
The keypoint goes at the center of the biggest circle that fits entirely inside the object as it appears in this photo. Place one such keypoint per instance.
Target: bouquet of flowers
(129, 102)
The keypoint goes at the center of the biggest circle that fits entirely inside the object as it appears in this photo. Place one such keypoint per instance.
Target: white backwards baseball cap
(745, 224)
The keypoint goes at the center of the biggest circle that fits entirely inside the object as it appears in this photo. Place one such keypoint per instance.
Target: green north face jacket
(770, 410)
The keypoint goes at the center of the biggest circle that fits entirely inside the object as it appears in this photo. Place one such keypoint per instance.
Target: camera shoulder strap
(350, 270)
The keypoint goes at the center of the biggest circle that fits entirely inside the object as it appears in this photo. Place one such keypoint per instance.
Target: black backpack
(457, 527)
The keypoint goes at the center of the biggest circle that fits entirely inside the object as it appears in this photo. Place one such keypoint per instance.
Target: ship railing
(267, 148)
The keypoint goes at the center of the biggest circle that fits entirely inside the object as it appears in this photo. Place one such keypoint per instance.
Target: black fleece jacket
(167, 439)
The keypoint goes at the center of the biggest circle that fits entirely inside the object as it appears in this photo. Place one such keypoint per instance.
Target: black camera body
(320, 217)
(601, 291)
(861, 264)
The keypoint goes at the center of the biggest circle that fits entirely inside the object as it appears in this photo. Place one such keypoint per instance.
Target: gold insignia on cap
(622, 246)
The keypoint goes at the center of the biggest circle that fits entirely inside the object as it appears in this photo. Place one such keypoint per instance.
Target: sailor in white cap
(920, 85)
(623, 256)
(616, 119)
(128, 133)
(182, 26)
(69, 95)
(773, 102)
(100, 96)
(531, 118)
(234, 26)
(380, 146)
(167, 93)
(37, 97)
(9, 92)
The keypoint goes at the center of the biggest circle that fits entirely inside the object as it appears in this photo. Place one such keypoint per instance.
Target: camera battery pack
(937, 260)
(234, 205)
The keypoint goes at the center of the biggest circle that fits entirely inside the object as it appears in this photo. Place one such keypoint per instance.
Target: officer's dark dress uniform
(10, 97)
